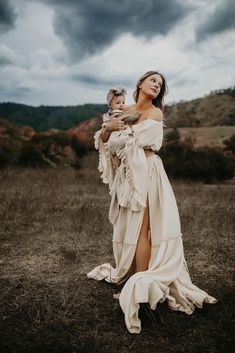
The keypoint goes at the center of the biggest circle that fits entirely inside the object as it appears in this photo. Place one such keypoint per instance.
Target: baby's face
(118, 102)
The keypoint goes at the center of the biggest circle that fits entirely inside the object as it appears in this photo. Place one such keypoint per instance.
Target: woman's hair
(159, 100)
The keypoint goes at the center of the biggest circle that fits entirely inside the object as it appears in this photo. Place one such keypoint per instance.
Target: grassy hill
(212, 136)
(218, 108)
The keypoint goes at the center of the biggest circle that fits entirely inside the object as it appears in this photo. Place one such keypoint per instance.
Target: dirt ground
(54, 228)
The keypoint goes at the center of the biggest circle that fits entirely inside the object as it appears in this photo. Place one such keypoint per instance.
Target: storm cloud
(87, 27)
(7, 16)
(71, 52)
(222, 19)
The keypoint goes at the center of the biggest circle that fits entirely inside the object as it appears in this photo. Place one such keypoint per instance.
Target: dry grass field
(212, 136)
(54, 228)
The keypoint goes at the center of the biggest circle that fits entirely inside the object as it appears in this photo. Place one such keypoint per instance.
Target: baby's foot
(116, 295)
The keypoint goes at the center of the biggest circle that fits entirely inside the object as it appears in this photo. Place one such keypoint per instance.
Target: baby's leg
(115, 162)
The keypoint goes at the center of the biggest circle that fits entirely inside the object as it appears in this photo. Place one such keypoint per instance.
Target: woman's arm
(105, 133)
(113, 124)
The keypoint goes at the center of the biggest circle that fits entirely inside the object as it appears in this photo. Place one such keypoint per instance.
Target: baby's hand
(116, 112)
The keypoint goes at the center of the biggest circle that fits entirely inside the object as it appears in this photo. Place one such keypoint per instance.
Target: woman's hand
(115, 123)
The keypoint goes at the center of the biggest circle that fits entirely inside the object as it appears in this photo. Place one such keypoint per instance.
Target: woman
(147, 238)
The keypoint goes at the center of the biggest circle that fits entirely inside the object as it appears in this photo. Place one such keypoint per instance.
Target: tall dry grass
(55, 228)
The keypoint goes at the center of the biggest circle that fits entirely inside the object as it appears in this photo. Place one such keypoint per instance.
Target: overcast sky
(71, 52)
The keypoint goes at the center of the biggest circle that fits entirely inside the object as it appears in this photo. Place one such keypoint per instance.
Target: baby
(116, 104)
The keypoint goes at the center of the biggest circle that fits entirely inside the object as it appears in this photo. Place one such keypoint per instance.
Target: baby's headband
(116, 91)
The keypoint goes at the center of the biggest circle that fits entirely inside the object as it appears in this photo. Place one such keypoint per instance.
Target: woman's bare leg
(143, 249)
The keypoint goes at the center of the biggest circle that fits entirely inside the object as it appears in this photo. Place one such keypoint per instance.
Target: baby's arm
(130, 119)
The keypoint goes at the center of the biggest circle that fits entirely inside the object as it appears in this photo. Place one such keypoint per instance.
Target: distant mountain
(218, 108)
(46, 117)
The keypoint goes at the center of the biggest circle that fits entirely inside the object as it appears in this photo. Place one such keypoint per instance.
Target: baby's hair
(114, 92)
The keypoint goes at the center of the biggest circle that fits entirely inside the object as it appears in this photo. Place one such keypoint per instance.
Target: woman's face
(152, 85)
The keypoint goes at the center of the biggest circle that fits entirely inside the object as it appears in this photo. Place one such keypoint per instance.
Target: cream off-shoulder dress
(138, 180)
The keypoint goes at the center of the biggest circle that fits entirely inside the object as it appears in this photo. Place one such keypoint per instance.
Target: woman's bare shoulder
(156, 114)
(129, 108)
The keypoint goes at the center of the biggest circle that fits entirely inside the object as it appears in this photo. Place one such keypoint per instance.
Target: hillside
(24, 146)
(201, 137)
(47, 117)
(212, 136)
(218, 108)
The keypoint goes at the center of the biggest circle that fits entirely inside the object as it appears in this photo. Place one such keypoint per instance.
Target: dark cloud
(89, 26)
(92, 80)
(14, 92)
(6, 56)
(7, 16)
(221, 20)
(4, 61)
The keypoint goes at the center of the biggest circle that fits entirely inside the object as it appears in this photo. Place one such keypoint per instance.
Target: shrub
(230, 144)
(61, 138)
(183, 161)
(78, 147)
(31, 156)
(172, 136)
(10, 150)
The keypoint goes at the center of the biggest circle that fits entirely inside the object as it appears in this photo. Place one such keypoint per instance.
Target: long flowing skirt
(167, 277)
